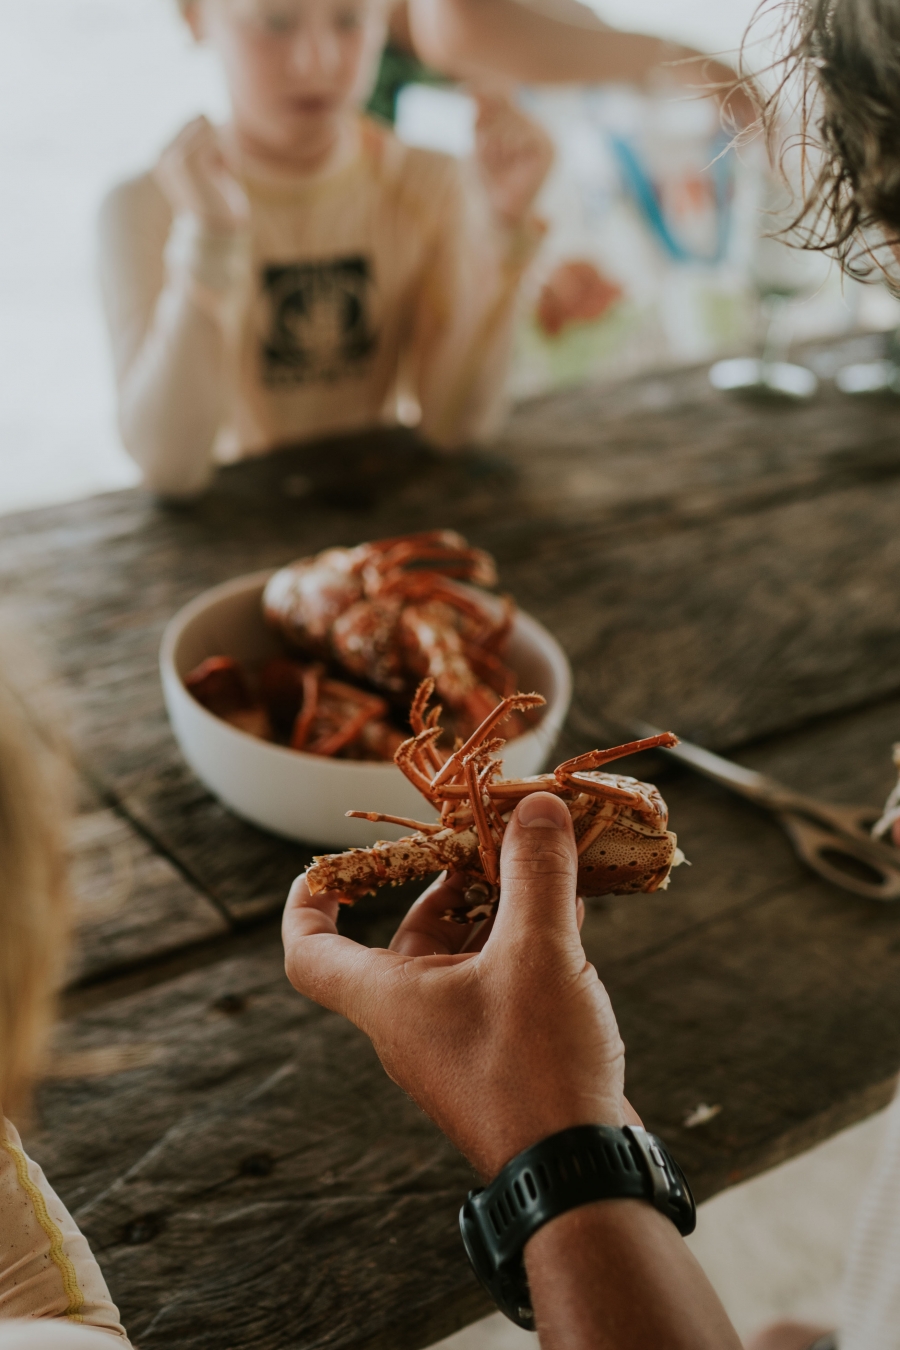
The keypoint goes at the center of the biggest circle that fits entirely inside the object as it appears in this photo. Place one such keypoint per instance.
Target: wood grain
(261, 1182)
(130, 903)
(246, 1170)
(729, 570)
(679, 595)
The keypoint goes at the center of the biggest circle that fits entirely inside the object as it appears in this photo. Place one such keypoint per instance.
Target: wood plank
(725, 630)
(786, 1015)
(723, 633)
(233, 1188)
(739, 855)
(727, 626)
(130, 904)
(731, 570)
(235, 1147)
(666, 445)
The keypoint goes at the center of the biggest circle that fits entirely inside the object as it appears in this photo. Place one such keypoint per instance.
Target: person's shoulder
(419, 176)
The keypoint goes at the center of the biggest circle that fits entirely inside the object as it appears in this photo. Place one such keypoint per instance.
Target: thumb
(538, 872)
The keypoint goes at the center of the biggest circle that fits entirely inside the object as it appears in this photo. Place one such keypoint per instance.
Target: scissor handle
(853, 822)
(853, 864)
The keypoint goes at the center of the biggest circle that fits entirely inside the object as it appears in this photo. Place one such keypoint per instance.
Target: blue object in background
(640, 185)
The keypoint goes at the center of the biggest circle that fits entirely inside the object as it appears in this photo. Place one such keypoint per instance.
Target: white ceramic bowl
(305, 796)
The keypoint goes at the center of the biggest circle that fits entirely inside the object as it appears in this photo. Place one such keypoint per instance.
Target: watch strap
(572, 1168)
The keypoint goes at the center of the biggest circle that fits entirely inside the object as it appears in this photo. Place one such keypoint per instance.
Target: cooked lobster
(620, 823)
(394, 611)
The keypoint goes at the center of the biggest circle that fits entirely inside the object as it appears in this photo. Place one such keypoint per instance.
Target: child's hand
(194, 176)
(514, 155)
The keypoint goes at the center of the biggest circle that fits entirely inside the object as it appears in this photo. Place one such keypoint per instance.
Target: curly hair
(840, 67)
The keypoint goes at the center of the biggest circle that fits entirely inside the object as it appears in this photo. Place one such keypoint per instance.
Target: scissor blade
(747, 782)
(774, 796)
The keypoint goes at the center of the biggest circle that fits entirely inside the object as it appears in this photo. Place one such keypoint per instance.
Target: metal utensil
(833, 840)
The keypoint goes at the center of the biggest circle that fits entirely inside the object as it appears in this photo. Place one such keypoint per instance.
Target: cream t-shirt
(47, 1269)
(379, 289)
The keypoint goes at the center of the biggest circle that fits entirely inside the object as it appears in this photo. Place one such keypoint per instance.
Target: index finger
(424, 931)
(320, 963)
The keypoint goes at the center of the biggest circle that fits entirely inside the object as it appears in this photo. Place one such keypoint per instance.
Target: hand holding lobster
(501, 1044)
(622, 843)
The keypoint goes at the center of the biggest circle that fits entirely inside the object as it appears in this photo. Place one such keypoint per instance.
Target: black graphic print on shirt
(318, 324)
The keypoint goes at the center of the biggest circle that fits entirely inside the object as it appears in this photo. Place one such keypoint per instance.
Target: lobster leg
(605, 791)
(407, 761)
(515, 703)
(417, 720)
(424, 827)
(307, 714)
(607, 815)
(510, 789)
(487, 847)
(446, 549)
(420, 703)
(647, 805)
(330, 745)
(595, 759)
(484, 779)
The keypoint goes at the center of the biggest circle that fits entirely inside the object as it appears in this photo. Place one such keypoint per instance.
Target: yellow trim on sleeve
(58, 1254)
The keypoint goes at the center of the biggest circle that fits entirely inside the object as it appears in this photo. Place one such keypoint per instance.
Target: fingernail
(543, 809)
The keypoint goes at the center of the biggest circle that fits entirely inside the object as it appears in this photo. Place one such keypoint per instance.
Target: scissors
(834, 841)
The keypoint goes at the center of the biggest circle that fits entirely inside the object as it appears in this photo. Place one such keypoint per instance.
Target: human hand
(501, 1045)
(195, 178)
(575, 292)
(787, 1336)
(513, 154)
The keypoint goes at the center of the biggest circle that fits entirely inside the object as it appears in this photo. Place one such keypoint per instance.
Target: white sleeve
(869, 1317)
(47, 1269)
(166, 288)
(43, 1335)
(465, 314)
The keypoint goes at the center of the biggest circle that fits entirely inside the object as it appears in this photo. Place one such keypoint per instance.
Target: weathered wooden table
(247, 1174)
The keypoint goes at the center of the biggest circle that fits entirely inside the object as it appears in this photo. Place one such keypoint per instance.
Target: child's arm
(467, 308)
(167, 315)
(552, 43)
(47, 1269)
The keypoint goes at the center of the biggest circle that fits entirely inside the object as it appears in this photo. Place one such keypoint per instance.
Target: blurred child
(46, 1267)
(300, 272)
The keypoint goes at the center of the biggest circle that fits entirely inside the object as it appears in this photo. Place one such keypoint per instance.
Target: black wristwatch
(572, 1168)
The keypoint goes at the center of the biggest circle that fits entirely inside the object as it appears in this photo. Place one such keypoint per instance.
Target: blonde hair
(34, 910)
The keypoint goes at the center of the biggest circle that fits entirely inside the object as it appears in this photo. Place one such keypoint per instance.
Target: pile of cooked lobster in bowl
(290, 693)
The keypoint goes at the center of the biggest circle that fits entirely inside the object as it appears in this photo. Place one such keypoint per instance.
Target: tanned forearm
(565, 43)
(617, 1275)
(468, 38)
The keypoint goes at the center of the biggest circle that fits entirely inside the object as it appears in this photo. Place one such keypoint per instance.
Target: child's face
(294, 67)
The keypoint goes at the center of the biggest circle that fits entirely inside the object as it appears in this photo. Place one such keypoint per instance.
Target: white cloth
(47, 1269)
(43, 1335)
(380, 283)
(869, 1315)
